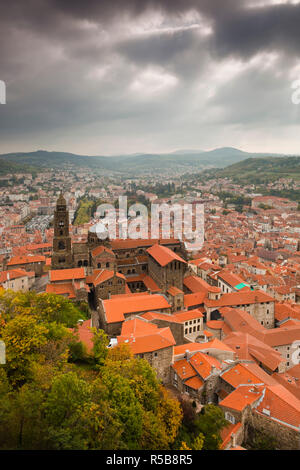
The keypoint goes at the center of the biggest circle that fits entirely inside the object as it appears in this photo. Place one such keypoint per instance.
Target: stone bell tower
(62, 250)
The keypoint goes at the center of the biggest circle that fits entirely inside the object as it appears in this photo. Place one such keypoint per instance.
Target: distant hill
(260, 170)
(7, 167)
(181, 160)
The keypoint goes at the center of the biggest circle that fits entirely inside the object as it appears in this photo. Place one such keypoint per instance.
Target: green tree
(23, 337)
(209, 422)
(100, 350)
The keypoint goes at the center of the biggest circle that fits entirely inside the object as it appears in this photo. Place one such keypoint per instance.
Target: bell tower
(62, 250)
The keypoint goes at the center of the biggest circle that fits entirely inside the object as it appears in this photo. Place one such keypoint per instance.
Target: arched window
(99, 265)
(85, 263)
(79, 264)
(61, 245)
(107, 265)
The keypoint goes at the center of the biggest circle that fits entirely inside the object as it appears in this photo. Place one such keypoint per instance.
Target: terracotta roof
(174, 291)
(188, 315)
(195, 383)
(62, 289)
(246, 374)
(120, 244)
(203, 364)
(12, 274)
(216, 344)
(240, 298)
(247, 347)
(163, 255)
(143, 341)
(290, 380)
(147, 280)
(184, 369)
(242, 396)
(227, 432)
(101, 275)
(191, 300)
(66, 274)
(196, 284)
(26, 260)
(137, 326)
(230, 278)
(215, 324)
(100, 249)
(116, 308)
(182, 348)
(159, 316)
(281, 404)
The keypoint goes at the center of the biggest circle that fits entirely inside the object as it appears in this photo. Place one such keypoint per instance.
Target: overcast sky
(104, 77)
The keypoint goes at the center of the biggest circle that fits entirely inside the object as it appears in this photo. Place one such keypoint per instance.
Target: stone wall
(286, 437)
(176, 329)
(108, 288)
(160, 360)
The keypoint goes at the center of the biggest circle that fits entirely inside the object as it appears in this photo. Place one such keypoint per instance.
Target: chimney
(187, 354)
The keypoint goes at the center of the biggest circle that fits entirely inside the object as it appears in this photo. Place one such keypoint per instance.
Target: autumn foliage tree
(48, 401)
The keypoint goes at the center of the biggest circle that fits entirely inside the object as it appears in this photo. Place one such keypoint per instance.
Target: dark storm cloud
(246, 32)
(107, 8)
(90, 70)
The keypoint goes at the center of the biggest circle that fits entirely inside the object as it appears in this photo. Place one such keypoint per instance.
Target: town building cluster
(220, 325)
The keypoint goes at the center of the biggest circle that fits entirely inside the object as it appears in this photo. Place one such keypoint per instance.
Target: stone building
(104, 283)
(128, 255)
(166, 267)
(114, 311)
(29, 263)
(149, 342)
(257, 303)
(62, 251)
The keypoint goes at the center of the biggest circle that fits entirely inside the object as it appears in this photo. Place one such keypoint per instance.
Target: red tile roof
(193, 300)
(174, 291)
(243, 396)
(240, 298)
(144, 337)
(62, 289)
(116, 308)
(195, 382)
(26, 260)
(247, 347)
(67, 274)
(204, 364)
(196, 284)
(281, 405)
(100, 249)
(101, 275)
(12, 274)
(163, 255)
(184, 369)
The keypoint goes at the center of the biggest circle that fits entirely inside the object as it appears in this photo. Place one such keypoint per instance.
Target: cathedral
(118, 266)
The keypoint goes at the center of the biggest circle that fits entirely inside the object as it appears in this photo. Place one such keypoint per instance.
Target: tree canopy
(49, 399)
